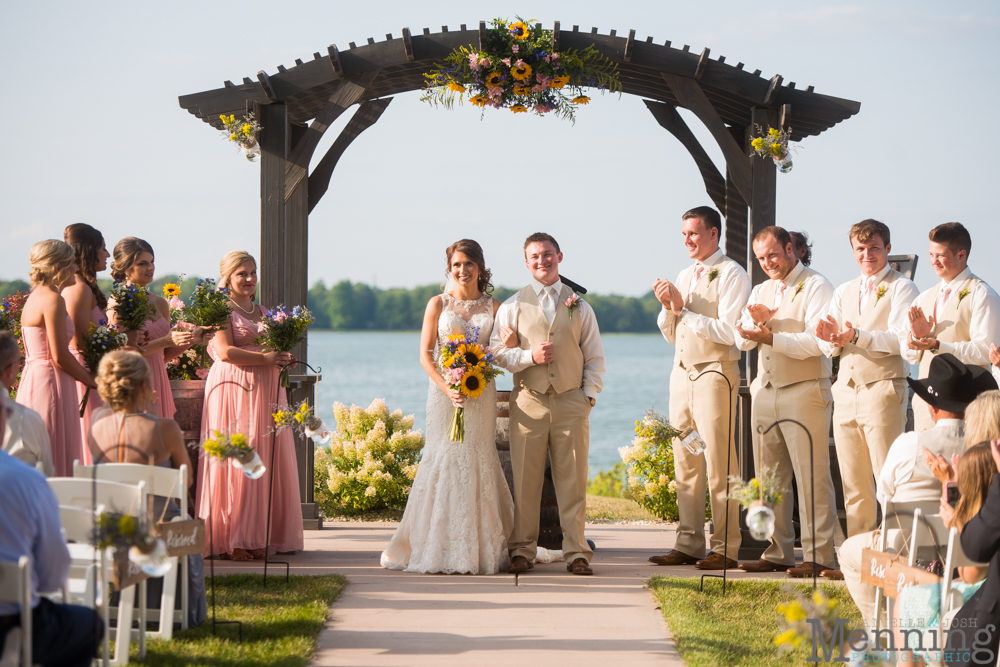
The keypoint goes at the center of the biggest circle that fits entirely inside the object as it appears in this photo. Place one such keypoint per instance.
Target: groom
(558, 368)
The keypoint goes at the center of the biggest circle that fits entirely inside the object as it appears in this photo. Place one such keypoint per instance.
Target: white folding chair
(91, 494)
(15, 586)
(951, 598)
(168, 483)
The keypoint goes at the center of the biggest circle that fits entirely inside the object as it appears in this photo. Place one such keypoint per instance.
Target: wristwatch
(854, 340)
(593, 401)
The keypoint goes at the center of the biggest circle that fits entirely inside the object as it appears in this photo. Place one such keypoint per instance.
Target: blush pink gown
(158, 369)
(95, 402)
(238, 399)
(51, 391)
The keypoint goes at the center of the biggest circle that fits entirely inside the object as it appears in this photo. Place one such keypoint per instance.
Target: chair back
(928, 538)
(899, 515)
(78, 522)
(87, 493)
(15, 587)
(159, 481)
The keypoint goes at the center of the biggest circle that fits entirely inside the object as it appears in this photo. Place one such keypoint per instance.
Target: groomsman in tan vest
(960, 315)
(558, 370)
(698, 315)
(793, 382)
(864, 324)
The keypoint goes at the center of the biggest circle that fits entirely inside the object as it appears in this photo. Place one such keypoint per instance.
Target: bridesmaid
(241, 389)
(47, 385)
(134, 263)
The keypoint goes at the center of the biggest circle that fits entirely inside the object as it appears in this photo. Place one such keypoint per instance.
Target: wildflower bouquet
(132, 305)
(650, 461)
(774, 144)
(209, 307)
(282, 329)
(194, 362)
(243, 132)
(97, 342)
(371, 461)
(518, 69)
(10, 320)
(236, 447)
(764, 489)
(304, 420)
(125, 532)
(468, 367)
(796, 626)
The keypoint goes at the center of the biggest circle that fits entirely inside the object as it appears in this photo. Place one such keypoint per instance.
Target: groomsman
(960, 315)
(698, 315)
(864, 323)
(793, 382)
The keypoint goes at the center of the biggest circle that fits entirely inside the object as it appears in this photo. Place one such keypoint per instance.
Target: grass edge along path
(711, 630)
(281, 623)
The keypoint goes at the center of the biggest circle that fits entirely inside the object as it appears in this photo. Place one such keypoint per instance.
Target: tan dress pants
(867, 419)
(785, 450)
(705, 405)
(557, 424)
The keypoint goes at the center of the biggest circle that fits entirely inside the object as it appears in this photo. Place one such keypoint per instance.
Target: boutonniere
(798, 288)
(961, 295)
(880, 293)
(572, 302)
(712, 275)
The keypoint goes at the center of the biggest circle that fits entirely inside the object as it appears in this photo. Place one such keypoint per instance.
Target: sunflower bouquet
(519, 69)
(10, 320)
(194, 362)
(468, 367)
(243, 133)
(282, 329)
(97, 342)
(132, 305)
(773, 144)
(209, 307)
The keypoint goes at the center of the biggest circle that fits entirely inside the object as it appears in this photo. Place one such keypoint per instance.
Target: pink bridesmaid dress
(239, 399)
(158, 369)
(51, 392)
(95, 402)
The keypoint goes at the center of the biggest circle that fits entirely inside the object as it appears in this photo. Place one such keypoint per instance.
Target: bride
(459, 513)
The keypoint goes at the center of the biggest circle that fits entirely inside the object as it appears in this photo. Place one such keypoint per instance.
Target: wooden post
(296, 255)
(764, 181)
(737, 229)
(274, 150)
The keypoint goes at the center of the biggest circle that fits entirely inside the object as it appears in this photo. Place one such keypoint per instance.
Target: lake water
(361, 366)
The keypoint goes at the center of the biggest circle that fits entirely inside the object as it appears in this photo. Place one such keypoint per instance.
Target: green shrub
(609, 483)
(650, 461)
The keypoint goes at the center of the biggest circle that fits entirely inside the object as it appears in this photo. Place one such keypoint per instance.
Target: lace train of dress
(460, 512)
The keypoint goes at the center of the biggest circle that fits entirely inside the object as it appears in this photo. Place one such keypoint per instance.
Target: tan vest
(923, 485)
(691, 348)
(953, 320)
(566, 370)
(855, 363)
(777, 369)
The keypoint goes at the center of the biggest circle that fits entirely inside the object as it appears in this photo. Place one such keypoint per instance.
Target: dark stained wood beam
(265, 83)
(772, 90)
(350, 91)
(668, 118)
(408, 44)
(692, 97)
(482, 35)
(555, 36)
(737, 232)
(273, 144)
(338, 69)
(367, 115)
(699, 70)
(629, 46)
(786, 116)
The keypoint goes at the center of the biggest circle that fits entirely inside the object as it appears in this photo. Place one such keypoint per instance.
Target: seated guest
(25, 437)
(982, 424)
(62, 634)
(905, 477)
(123, 433)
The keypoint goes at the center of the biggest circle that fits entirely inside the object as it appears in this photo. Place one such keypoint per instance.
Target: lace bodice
(460, 317)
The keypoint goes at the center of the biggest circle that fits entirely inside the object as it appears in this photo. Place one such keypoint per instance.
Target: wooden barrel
(189, 398)
(549, 530)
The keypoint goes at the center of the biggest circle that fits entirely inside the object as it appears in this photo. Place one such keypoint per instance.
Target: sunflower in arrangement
(468, 367)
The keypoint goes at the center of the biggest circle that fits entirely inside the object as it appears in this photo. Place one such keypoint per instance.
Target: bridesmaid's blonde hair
(121, 375)
(232, 261)
(982, 418)
(49, 259)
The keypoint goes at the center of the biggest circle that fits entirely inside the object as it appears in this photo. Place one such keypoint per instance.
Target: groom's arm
(510, 359)
(593, 351)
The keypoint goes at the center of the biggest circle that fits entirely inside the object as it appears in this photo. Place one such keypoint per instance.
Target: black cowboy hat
(951, 385)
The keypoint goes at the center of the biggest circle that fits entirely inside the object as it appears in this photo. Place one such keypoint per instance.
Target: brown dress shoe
(675, 557)
(716, 561)
(579, 566)
(806, 570)
(763, 566)
(519, 564)
(835, 575)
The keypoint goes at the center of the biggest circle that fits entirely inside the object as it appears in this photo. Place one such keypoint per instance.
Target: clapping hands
(941, 469)
(920, 329)
(668, 295)
(829, 331)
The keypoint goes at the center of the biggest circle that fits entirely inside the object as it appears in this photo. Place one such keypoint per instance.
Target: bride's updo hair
(126, 252)
(473, 251)
(121, 375)
(50, 259)
(232, 261)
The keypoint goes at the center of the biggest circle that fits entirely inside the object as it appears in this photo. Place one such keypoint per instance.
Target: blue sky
(93, 133)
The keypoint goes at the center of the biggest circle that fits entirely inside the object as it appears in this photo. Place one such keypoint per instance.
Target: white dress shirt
(901, 294)
(734, 290)
(515, 359)
(900, 462)
(25, 437)
(817, 294)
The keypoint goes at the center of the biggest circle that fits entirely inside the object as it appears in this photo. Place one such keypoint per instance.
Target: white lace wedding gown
(460, 512)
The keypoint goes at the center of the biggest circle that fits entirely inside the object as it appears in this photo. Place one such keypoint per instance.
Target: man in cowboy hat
(948, 389)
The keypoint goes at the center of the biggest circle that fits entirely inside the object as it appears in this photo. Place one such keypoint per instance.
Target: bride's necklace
(467, 305)
(248, 312)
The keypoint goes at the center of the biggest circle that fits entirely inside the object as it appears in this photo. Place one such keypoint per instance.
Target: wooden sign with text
(125, 573)
(183, 538)
(899, 575)
(875, 565)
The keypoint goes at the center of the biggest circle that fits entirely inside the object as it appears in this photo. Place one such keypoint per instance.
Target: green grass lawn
(739, 628)
(602, 509)
(280, 624)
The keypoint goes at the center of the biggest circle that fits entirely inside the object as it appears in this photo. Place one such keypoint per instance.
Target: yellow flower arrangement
(247, 129)
(521, 91)
(494, 79)
(127, 525)
(303, 412)
(473, 384)
(758, 144)
(472, 354)
(478, 101)
(521, 73)
(519, 108)
(582, 99)
(518, 30)
(171, 289)
(559, 82)
(457, 87)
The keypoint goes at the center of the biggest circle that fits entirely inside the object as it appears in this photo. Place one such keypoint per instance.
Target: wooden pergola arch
(296, 105)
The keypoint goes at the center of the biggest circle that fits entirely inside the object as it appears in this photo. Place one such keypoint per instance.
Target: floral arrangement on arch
(243, 133)
(371, 462)
(773, 144)
(518, 69)
(10, 320)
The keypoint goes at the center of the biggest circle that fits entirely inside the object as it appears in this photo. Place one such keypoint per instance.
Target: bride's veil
(450, 284)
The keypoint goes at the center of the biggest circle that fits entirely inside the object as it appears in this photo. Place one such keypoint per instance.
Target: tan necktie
(780, 293)
(549, 303)
(698, 269)
(942, 300)
(863, 298)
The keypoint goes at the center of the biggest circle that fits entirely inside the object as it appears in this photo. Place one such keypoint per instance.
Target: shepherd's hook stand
(270, 484)
(729, 460)
(812, 484)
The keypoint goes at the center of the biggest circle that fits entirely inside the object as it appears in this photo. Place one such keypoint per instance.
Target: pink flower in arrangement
(515, 48)
(506, 61)
(547, 59)
(519, 63)
(495, 91)
(202, 373)
(474, 61)
(555, 56)
(456, 375)
(176, 303)
(543, 108)
(280, 316)
(484, 62)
